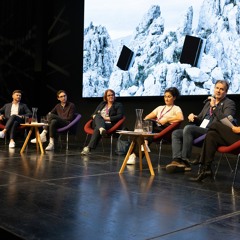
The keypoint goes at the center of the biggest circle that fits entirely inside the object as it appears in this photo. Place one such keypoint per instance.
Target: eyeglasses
(62, 96)
(110, 95)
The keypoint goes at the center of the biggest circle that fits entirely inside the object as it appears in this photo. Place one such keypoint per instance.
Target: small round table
(137, 138)
(33, 126)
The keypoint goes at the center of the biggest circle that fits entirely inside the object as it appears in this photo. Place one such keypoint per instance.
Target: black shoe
(186, 162)
(194, 162)
(205, 173)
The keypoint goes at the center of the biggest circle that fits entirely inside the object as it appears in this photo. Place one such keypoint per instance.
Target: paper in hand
(227, 122)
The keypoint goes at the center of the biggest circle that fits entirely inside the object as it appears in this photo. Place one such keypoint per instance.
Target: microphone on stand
(206, 100)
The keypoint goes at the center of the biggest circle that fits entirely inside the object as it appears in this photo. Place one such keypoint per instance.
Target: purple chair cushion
(71, 124)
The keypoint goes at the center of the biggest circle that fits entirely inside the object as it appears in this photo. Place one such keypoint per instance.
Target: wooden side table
(33, 126)
(137, 138)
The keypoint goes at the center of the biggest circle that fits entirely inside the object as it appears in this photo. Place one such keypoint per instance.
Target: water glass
(27, 119)
(43, 119)
(147, 126)
(150, 127)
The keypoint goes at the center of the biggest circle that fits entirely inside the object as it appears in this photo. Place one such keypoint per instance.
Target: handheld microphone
(206, 100)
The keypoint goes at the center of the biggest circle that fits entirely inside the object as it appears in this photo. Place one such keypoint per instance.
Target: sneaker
(131, 169)
(50, 147)
(12, 145)
(2, 134)
(103, 131)
(42, 137)
(132, 159)
(148, 149)
(85, 151)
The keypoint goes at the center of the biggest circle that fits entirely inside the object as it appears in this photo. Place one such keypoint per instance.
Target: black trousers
(12, 123)
(217, 135)
(55, 122)
(97, 123)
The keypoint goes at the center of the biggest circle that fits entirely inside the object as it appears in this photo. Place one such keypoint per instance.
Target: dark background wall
(41, 52)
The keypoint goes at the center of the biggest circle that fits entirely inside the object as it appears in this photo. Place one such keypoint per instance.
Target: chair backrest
(88, 127)
(72, 126)
(166, 133)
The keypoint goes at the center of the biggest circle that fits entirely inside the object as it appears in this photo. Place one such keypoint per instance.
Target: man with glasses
(60, 116)
(217, 107)
(107, 113)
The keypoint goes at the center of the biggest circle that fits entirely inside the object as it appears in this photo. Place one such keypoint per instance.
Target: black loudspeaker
(191, 50)
(125, 58)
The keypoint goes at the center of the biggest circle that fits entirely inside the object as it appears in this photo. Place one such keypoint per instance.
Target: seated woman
(107, 113)
(217, 135)
(163, 116)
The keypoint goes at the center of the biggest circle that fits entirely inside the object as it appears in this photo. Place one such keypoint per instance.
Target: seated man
(12, 115)
(214, 110)
(60, 116)
(217, 135)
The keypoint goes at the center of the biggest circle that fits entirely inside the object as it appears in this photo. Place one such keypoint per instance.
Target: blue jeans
(182, 140)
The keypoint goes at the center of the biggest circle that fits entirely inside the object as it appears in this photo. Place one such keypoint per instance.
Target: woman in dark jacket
(107, 113)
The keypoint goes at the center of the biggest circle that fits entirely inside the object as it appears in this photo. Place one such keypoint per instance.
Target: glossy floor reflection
(61, 195)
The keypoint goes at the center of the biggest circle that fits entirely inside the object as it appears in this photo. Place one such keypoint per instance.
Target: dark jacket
(67, 113)
(23, 110)
(115, 112)
(225, 108)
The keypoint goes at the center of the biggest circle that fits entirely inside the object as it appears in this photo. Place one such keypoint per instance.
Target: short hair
(225, 82)
(61, 91)
(17, 91)
(105, 94)
(174, 91)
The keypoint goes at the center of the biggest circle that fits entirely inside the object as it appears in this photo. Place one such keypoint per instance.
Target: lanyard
(162, 114)
(107, 110)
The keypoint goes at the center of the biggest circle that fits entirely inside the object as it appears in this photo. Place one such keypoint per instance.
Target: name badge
(204, 123)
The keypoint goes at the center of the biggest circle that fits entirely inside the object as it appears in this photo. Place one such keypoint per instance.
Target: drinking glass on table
(44, 119)
(27, 119)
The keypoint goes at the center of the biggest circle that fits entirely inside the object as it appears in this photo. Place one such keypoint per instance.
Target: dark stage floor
(61, 195)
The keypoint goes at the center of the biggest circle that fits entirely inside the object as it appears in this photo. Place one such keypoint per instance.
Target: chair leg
(111, 144)
(102, 144)
(228, 162)
(159, 151)
(67, 141)
(218, 164)
(60, 140)
(236, 169)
